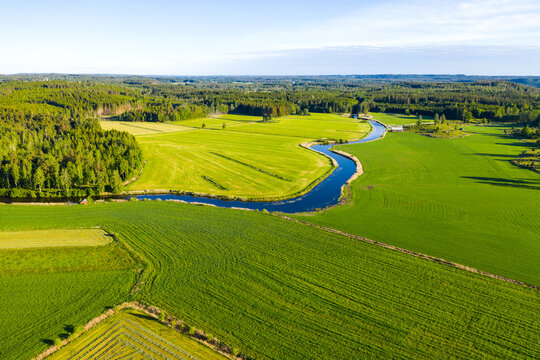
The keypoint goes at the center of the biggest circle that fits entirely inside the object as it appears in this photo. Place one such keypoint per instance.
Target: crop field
(317, 294)
(53, 238)
(255, 160)
(44, 291)
(458, 199)
(132, 334)
(142, 128)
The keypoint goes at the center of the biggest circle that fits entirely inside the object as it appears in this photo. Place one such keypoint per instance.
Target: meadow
(246, 159)
(276, 289)
(457, 199)
(131, 334)
(47, 289)
(398, 119)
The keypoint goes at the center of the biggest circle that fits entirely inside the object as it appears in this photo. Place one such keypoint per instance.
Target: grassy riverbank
(318, 294)
(458, 199)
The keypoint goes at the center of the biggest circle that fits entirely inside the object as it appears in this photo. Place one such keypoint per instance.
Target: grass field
(132, 334)
(277, 289)
(44, 290)
(53, 238)
(247, 159)
(142, 128)
(459, 199)
(398, 119)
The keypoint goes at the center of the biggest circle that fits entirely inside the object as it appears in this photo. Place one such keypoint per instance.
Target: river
(324, 194)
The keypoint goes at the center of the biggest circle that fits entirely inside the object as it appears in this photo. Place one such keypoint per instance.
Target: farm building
(396, 128)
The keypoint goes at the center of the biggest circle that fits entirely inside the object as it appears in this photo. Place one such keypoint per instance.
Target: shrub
(57, 342)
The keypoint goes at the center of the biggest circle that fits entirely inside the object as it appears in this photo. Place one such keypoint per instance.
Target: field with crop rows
(132, 334)
(53, 238)
(246, 159)
(45, 291)
(459, 199)
(277, 289)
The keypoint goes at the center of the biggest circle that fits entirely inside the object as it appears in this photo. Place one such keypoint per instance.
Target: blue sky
(487, 37)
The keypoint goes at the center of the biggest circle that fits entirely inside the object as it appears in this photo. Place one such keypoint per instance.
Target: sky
(278, 37)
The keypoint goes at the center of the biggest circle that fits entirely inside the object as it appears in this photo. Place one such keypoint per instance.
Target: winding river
(324, 194)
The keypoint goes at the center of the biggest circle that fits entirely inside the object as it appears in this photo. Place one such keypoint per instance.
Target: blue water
(326, 193)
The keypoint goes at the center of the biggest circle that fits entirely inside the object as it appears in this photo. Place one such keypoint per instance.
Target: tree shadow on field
(48, 342)
(144, 316)
(509, 156)
(519, 144)
(518, 183)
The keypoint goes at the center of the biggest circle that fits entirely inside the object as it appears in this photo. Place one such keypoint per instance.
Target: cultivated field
(142, 128)
(459, 199)
(132, 334)
(53, 238)
(46, 291)
(317, 294)
(246, 159)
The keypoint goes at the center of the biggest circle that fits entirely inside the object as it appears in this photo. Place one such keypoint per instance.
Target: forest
(478, 101)
(51, 143)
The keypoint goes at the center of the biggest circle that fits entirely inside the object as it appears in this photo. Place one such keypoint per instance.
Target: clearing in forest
(53, 238)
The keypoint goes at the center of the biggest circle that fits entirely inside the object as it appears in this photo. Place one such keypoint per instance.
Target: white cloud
(482, 22)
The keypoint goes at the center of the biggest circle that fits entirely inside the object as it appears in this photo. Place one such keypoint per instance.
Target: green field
(458, 199)
(247, 159)
(272, 288)
(142, 128)
(45, 291)
(132, 334)
(53, 238)
(398, 119)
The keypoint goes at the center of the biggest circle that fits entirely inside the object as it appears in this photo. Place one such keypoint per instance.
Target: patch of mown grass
(278, 289)
(458, 199)
(53, 238)
(133, 334)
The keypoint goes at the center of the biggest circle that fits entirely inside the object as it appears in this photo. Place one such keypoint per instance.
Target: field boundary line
(413, 253)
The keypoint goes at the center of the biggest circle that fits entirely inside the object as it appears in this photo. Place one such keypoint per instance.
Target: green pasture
(53, 238)
(247, 159)
(458, 199)
(132, 334)
(398, 119)
(271, 288)
(313, 127)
